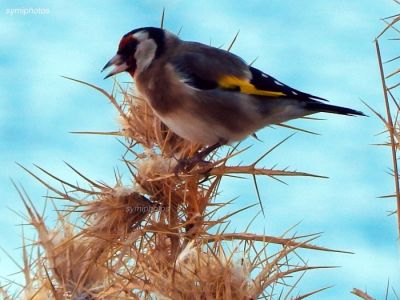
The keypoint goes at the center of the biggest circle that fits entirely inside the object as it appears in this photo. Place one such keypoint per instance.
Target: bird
(208, 95)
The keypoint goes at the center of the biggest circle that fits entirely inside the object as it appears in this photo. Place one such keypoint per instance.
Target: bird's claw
(185, 165)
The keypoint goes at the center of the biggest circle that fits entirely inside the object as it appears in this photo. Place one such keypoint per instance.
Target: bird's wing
(204, 68)
(266, 83)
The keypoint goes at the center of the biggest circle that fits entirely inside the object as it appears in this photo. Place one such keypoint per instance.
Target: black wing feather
(265, 82)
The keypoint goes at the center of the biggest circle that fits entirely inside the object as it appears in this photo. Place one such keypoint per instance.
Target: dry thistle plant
(360, 294)
(390, 120)
(390, 87)
(158, 237)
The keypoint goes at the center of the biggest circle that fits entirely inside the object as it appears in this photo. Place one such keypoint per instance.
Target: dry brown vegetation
(162, 236)
(388, 71)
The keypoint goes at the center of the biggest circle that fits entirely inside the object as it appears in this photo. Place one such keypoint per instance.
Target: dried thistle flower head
(115, 213)
(153, 165)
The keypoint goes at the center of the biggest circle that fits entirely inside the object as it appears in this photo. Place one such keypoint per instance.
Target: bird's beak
(118, 62)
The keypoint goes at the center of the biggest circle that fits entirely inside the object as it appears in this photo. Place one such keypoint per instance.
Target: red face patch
(124, 41)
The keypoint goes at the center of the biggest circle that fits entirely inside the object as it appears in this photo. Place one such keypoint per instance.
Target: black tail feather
(328, 108)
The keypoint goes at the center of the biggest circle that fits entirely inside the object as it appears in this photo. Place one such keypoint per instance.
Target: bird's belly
(206, 118)
(193, 128)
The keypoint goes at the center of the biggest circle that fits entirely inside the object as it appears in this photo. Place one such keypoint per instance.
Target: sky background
(321, 47)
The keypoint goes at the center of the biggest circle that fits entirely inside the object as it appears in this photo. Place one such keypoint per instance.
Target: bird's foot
(187, 164)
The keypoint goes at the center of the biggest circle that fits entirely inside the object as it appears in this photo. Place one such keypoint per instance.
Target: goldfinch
(205, 94)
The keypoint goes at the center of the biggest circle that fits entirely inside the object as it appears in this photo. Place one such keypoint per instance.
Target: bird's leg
(206, 151)
(186, 164)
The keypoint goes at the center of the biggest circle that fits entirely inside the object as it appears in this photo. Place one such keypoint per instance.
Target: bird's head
(137, 50)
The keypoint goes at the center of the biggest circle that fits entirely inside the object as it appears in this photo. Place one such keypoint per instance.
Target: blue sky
(321, 47)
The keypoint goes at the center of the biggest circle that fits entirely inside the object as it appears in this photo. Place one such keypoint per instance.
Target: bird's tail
(328, 108)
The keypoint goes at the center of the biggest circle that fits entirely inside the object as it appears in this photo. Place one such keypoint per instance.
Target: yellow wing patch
(232, 82)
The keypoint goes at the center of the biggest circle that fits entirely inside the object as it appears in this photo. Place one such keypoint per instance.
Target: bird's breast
(162, 90)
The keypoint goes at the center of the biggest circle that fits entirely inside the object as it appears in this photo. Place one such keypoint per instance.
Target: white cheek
(144, 54)
(141, 35)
